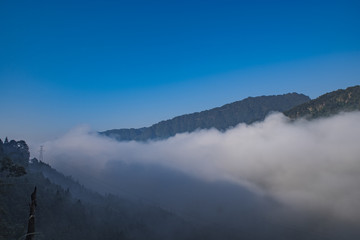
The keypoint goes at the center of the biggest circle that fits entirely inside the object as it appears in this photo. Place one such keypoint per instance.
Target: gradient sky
(120, 64)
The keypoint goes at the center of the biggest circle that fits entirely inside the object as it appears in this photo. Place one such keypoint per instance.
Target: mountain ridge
(247, 111)
(341, 100)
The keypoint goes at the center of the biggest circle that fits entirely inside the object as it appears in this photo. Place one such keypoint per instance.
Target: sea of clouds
(308, 165)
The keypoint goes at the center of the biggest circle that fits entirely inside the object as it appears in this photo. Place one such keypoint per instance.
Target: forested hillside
(328, 104)
(67, 210)
(247, 111)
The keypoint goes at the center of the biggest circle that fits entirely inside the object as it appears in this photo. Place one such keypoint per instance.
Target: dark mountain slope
(247, 111)
(328, 104)
(67, 210)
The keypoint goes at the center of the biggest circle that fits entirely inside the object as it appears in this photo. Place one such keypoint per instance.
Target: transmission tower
(41, 154)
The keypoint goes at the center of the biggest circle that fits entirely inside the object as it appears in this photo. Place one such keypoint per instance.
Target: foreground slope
(247, 111)
(328, 104)
(66, 210)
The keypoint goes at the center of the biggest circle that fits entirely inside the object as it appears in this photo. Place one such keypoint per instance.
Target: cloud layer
(310, 165)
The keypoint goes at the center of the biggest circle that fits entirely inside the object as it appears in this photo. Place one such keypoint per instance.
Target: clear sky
(120, 64)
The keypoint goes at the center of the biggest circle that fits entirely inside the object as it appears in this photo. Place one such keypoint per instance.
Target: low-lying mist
(311, 166)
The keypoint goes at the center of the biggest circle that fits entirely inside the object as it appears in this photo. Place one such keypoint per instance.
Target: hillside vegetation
(328, 104)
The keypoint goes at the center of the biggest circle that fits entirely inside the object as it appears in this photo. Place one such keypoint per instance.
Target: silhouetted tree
(31, 221)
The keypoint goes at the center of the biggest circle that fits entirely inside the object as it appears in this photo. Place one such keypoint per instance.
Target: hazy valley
(244, 170)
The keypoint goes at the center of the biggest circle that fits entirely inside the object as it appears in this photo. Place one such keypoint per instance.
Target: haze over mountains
(278, 177)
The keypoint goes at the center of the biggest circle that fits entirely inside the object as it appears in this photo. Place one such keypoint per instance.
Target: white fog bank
(310, 165)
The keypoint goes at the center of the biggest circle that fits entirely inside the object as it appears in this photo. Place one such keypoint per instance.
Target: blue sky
(120, 64)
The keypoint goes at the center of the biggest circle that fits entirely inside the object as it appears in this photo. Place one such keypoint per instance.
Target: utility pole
(41, 154)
